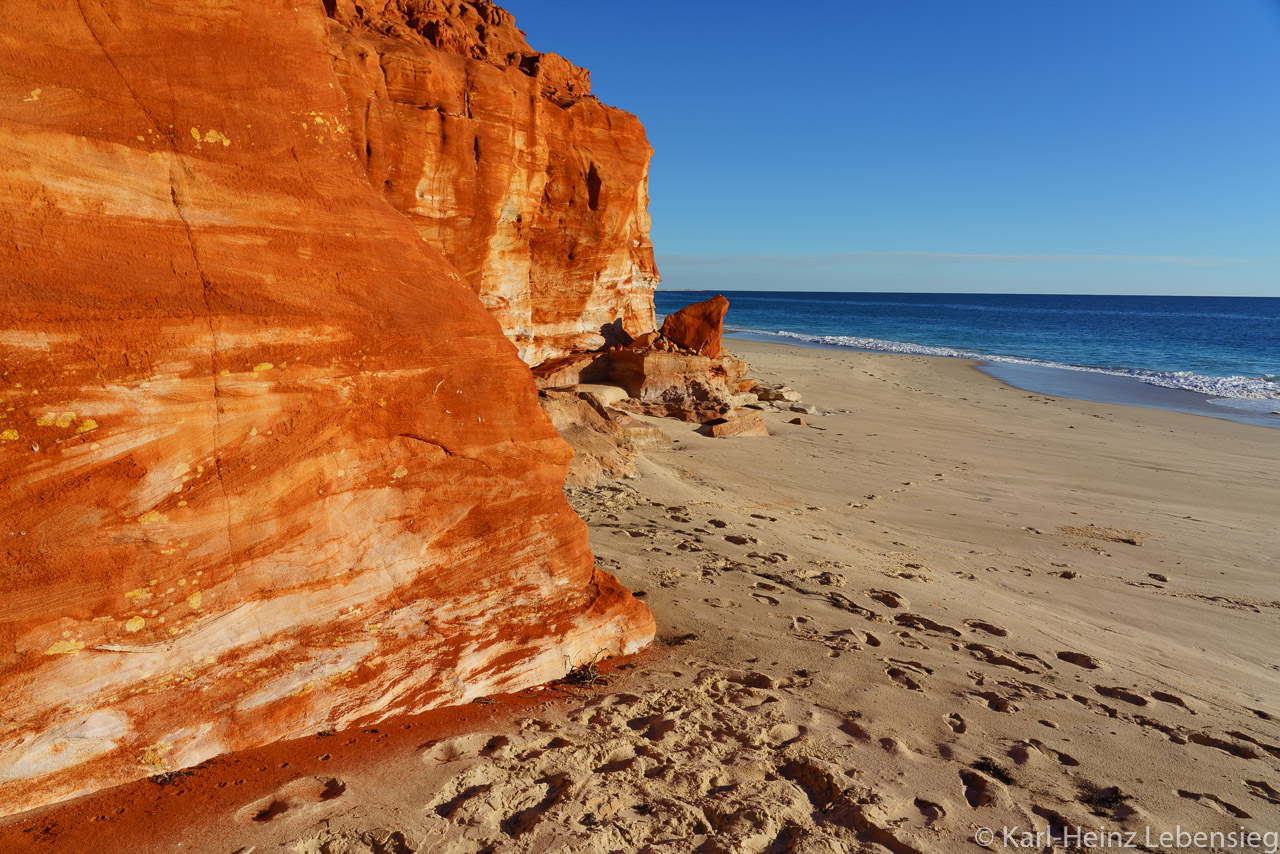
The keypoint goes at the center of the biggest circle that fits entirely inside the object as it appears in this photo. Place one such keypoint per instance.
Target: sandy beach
(942, 605)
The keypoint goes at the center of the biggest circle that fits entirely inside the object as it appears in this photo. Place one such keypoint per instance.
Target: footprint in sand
(1103, 534)
(1272, 749)
(290, 798)
(1215, 803)
(1024, 751)
(1079, 659)
(889, 599)
(1171, 699)
(1262, 789)
(911, 665)
(931, 811)
(982, 652)
(456, 748)
(909, 642)
(850, 726)
(1117, 693)
(1066, 759)
(996, 702)
(1229, 747)
(979, 791)
(844, 603)
(924, 624)
(957, 723)
(980, 626)
(901, 677)
(1031, 656)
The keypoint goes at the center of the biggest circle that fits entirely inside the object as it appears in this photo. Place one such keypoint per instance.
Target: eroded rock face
(742, 424)
(606, 441)
(657, 381)
(698, 327)
(502, 159)
(267, 466)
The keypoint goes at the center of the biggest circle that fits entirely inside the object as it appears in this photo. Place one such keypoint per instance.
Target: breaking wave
(1258, 388)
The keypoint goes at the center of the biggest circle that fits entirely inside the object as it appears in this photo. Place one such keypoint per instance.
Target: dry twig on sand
(586, 675)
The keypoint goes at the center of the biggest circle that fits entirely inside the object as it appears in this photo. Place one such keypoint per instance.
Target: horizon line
(659, 289)
(836, 258)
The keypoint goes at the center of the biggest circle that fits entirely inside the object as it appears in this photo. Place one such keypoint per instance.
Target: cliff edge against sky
(267, 466)
(502, 159)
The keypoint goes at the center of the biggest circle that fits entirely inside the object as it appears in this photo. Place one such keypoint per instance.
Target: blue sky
(1092, 146)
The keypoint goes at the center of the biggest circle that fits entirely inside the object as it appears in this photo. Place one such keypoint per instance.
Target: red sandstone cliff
(502, 159)
(266, 464)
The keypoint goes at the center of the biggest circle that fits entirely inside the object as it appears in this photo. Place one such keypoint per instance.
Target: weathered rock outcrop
(698, 327)
(676, 385)
(746, 424)
(657, 381)
(502, 159)
(606, 441)
(266, 464)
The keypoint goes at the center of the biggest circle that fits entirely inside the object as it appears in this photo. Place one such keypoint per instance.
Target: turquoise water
(1225, 348)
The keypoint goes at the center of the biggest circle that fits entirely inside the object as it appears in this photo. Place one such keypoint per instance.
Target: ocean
(1216, 356)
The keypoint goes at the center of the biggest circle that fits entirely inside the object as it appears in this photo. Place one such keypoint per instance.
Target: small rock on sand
(746, 424)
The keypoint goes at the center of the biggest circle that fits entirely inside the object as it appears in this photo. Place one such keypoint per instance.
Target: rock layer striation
(501, 158)
(267, 466)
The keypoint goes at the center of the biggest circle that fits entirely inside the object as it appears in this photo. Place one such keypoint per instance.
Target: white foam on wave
(1257, 388)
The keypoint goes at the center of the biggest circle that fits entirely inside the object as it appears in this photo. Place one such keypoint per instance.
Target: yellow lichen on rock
(153, 757)
(65, 647)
